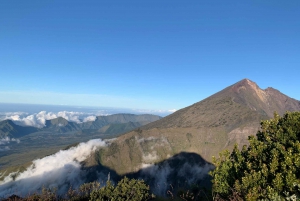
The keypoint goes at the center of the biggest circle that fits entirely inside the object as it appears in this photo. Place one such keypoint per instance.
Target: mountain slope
(244, 99)
(9, 129)
(61, 125)
(118, 119)
(118, 128)
(206, 127)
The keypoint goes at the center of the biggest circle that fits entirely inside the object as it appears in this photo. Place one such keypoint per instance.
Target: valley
(59, 134)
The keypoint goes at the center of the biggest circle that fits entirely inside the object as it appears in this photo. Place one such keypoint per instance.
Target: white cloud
(172, 110)
(160, 175)
(158, 112)
(57, 170)
(142, 140)
(89, 118)
(39, 119)
(5, 141)
(150, 157)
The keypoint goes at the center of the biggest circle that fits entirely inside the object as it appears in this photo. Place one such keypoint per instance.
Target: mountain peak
(250, 83)
(246, 82)
(247, 85)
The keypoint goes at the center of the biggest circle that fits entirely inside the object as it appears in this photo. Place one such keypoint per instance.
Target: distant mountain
(117, 128)
(118, 119)
(61, 125)
(9, 129)
(206, 127)
(114, 124)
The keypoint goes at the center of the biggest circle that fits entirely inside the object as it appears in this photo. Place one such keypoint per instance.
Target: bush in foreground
(268, 169)
(125, 190)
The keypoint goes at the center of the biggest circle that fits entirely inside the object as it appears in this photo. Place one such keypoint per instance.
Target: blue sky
(154, 54)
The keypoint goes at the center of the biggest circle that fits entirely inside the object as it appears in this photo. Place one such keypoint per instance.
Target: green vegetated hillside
(115, 124)
(206, 128)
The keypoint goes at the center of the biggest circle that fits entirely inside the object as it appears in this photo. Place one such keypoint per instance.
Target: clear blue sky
(148, 54)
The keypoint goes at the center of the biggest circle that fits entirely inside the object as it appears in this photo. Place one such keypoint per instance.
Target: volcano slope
(205, 128)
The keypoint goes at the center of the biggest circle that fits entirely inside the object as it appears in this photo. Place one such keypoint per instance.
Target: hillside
(116, 123)
(9, 129)
(60, 125)
(118, 119)
(117, 128)
(206, 127)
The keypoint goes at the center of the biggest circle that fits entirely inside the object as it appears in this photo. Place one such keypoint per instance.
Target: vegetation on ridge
(268, 169)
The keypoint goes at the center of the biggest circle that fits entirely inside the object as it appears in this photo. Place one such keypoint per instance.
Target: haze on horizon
(154, 55)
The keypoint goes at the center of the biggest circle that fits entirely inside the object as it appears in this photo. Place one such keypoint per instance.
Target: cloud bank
(54, 171)
(39, 119)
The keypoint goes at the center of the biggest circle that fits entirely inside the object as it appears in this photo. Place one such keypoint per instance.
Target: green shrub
(83, 193)
(125, 190)
(268, 169)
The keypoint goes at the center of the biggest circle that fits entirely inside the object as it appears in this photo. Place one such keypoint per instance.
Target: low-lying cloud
(39, 119)
(157, 112)
(5, 141)
(55, 171)
(178, 171)
(169, 175)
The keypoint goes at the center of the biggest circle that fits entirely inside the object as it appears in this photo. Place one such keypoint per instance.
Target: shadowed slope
(179, 171)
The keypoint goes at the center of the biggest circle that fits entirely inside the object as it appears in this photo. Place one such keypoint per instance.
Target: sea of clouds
(38, 119)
